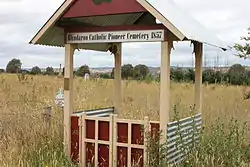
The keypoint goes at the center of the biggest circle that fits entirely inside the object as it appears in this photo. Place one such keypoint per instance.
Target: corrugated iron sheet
(102, 112)
(110, 20)
(180, 137)
(185, 23)
(53, 37)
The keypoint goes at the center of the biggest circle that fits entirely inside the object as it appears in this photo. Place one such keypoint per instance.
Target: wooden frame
(115, 140)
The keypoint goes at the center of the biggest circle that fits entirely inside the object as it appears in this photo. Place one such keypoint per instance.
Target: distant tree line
(14, 66)
(236, 75)
(139, 72)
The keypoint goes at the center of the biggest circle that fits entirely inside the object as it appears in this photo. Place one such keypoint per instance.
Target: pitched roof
(49, 26)
(180, 23)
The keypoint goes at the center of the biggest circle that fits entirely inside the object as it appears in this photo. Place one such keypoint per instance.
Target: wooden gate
(75, 128)
(109, 141)
(112, 142)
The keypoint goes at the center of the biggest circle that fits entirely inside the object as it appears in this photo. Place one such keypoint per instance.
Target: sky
(21, 19)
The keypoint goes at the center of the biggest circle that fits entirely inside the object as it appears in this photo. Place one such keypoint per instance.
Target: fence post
(111, 142)
(114, 140)
(82, 136)
(96, 141)
(146, 132)
(47, 115)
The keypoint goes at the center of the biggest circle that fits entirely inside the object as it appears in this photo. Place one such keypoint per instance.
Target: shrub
(105, 76)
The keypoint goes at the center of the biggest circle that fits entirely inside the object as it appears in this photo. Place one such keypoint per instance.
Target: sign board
(116, 36)
(59, 99)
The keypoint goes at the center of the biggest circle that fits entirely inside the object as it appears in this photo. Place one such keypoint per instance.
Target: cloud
(21, 19)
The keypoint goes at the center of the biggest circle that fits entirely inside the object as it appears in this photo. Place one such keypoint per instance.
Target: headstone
(59, 99)
(86, 77)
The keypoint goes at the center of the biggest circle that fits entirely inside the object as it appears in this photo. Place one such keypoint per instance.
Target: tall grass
(223, 145)
(218, 145)
(26, 141)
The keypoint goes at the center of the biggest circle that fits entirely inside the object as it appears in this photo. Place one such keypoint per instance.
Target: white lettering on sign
(116, 36)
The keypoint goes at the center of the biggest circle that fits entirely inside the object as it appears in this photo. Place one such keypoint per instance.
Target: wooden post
(68, 96)
(114, 140)
(60, 71)
(82, 137)
(146, 133)
(165, 88)
(47, 115)
(111, 142)
(118, 79)
(198, 47)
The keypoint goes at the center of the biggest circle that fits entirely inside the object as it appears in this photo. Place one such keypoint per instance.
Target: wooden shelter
(103, 25)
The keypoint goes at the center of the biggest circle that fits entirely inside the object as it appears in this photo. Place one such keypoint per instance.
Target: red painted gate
(108, 141)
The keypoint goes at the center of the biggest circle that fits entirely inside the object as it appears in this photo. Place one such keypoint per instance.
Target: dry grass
(21, 104)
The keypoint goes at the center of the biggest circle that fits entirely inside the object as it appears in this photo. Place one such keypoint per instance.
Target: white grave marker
(59, 99)
(86, 77)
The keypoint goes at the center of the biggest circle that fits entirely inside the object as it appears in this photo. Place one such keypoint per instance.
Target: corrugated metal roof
(110, 20)
(179, 22)
(185, 23)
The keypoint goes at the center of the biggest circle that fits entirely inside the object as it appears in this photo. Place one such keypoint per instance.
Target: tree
(237, 68)
(248, 74)
(83, 70)
(127, 71)
(219, 77)
(49, 70)
(237, 74)
(189, 75)
(14, 66)
(177, 74)
(35, 70)
(140, 72)
(243, 50)
(209, 76)
(1, 70)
